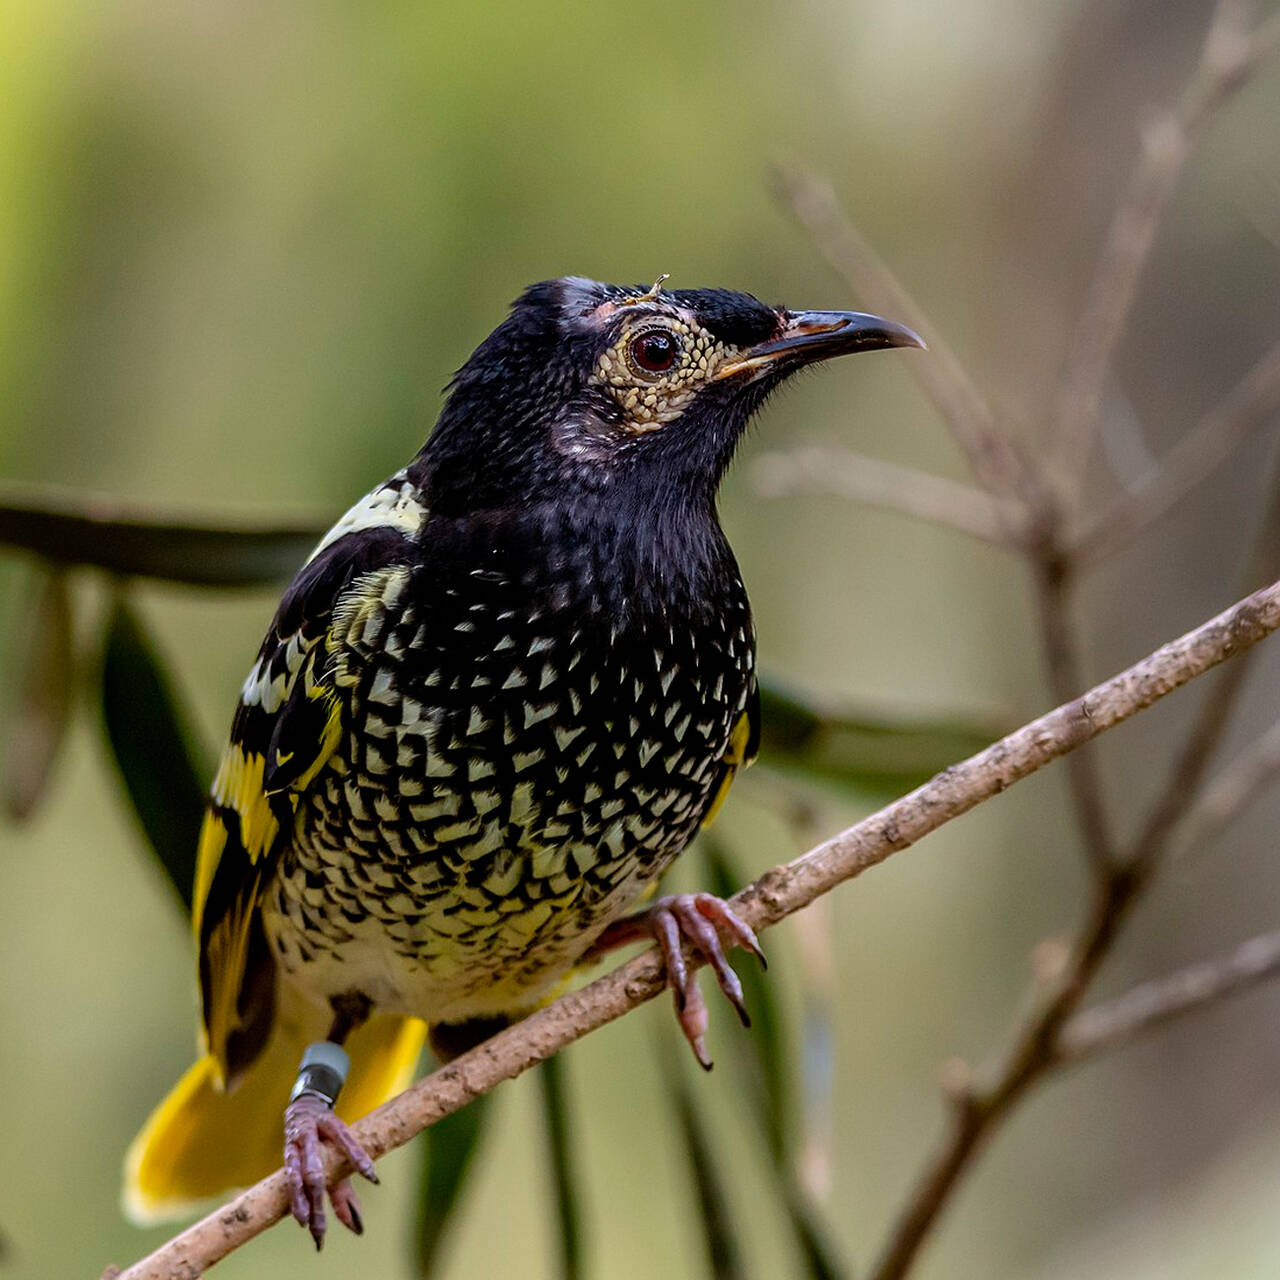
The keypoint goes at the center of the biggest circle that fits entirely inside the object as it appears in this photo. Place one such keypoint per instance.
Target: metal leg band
(323, 1072)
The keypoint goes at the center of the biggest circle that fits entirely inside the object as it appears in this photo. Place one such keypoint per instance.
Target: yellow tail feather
(200, 1142)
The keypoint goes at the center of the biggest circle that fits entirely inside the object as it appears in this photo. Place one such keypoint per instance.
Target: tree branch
(776, 895)
(1118, 885)
(889, 485)
(1230, 55)
(1154, 1003)
(1047, 510)
(1179, 795)
(1081, 1036)
(979, 1111)
(1053, 579)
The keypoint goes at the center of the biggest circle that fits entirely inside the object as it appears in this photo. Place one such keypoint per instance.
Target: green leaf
(153, 748)
(74, 530)
(764, 1058)
(866, 749)
(820, 1260)
(40, 704)
(451, 1145)
(555, 1108)
(724, 1259)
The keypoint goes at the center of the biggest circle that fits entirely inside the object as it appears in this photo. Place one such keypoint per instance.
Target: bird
(504, 693)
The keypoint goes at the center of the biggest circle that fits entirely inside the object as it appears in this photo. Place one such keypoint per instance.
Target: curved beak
(807, 336)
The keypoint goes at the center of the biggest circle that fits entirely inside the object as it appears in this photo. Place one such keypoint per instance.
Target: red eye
(655, 351)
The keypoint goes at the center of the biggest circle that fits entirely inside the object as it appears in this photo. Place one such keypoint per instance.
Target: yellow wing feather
(207, 1136)
(242, 817)
(738, 756)
(287, 728)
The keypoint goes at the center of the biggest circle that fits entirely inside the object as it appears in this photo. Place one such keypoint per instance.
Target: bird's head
(602, 393)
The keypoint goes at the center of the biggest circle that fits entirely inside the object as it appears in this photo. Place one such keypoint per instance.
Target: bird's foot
(309, 1122)
(699, 919)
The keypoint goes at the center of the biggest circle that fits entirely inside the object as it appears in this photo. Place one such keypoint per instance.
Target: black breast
(544, 712)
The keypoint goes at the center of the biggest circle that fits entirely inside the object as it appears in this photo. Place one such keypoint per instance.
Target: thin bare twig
(1053, 579)
(1229, 56)
(1119, 883)
(1154, 1003)
(978, 1110)
(1028, 517)
(1194, 756)
(776, 895)
(1235, 788)
(992, 457)
(1207, 731)
(816, 469)
(1251, 404)
(1125, 447)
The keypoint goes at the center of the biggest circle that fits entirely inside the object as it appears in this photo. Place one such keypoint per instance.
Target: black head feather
(504, 436)
(591, 392)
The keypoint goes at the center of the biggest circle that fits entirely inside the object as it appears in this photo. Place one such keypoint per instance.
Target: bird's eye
(654, 351)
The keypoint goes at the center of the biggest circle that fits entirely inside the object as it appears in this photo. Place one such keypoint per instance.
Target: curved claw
(308, 1122)
(699, 919)
(346, 1205)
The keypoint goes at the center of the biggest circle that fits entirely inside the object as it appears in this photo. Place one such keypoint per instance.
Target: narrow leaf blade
(40, 704)
(857, 747)
(555, 1108)
(147, 729)
(720, 1242)
(819, 1257)
(765, 1058)
(71, 529)
(450, 1148)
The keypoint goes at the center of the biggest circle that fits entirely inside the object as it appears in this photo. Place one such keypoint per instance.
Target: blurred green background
(243, 246)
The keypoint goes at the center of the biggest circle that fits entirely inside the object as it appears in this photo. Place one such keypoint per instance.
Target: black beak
(807, 336)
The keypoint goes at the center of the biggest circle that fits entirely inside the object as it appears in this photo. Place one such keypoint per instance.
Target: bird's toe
(309, 1123)
(698, 919)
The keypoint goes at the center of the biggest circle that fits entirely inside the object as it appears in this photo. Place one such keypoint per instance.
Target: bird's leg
(449, 1040)
(309, 1121)
(699, 919)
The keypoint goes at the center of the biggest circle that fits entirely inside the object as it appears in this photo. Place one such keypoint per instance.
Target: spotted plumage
(500, 698)
(521, 756)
